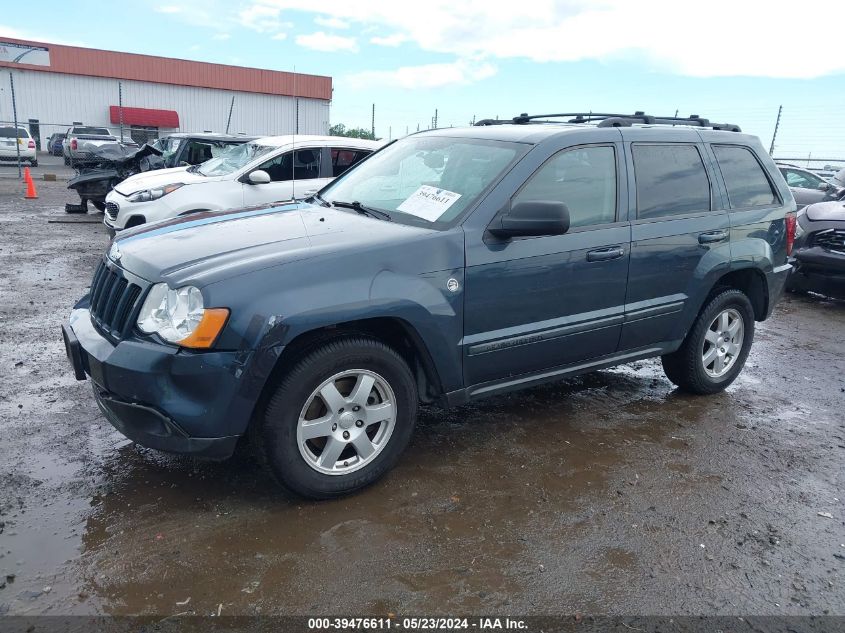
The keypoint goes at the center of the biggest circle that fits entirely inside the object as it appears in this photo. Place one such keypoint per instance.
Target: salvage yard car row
(449, 266)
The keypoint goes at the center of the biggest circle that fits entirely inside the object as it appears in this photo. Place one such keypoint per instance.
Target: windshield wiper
(363, 210)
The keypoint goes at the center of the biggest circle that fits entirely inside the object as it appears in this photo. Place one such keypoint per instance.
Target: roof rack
(613, 120)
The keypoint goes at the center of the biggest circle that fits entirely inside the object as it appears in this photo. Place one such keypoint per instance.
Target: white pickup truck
(81, 141)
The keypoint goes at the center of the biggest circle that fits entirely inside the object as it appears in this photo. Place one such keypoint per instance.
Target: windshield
(233, 159)
(425, 179)
(91, 131)
(9, 132)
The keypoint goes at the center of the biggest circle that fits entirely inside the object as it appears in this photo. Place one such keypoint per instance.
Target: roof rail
(613, 120)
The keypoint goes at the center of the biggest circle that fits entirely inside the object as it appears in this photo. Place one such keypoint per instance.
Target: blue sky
(731, 60)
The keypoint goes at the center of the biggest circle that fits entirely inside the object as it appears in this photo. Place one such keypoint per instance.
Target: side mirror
(532, 218)
(259, 177)
(825, 186)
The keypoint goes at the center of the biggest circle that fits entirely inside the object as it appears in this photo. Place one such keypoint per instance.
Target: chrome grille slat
(113, 301)
(831, 240)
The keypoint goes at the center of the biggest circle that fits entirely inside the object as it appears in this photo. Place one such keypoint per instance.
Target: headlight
(178, 316)
(153, 194)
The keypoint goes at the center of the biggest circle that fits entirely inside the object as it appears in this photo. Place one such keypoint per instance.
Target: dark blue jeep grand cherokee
(451, 265)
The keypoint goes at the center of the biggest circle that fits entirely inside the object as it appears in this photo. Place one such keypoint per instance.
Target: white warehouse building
(56, 86)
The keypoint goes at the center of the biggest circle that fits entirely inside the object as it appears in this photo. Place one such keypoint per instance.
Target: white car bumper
(8, 152)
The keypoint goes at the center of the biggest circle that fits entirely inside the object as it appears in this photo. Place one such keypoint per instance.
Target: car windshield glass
(233, 159)
(168, 148)
(429, 180)
(9, 132)
(92, 131)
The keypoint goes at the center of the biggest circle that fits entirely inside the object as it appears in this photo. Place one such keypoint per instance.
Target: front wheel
(715, 350)
(338, 419)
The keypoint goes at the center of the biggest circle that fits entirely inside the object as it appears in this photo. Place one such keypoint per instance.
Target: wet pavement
(609, 493)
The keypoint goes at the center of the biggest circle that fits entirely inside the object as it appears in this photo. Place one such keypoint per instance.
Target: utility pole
(231, 107)
(15, 116)
(435, 118)
(390, 133)
(120, 107)
(775, 135)
(373, 123)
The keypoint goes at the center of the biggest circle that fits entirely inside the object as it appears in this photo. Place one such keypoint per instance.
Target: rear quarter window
(745, 180)
(671, 180)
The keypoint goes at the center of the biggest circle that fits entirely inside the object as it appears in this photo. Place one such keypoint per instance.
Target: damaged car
(109, 165)
(818, 259)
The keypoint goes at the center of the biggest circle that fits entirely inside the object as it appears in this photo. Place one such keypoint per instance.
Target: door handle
(605, 254)
(712, 236)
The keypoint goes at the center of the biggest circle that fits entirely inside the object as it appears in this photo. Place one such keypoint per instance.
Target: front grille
(831, 240)
(113, 301)
(112, 210)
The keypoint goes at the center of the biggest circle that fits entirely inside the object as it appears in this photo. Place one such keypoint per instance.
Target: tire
(99, 205)
(34, 162)
(296, 462)
(686, 367)
(67, 160)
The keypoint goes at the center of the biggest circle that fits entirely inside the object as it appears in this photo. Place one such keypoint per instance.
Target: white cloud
(280, 36)
(221, 36)
(331, 22)
(321, 41)
(169, 8)
(390, 40)
(261, 17)
(729, 38)
(425, 76)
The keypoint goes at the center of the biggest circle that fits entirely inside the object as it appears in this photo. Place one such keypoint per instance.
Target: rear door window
(744, 177)
(671, 180)
(343, 159)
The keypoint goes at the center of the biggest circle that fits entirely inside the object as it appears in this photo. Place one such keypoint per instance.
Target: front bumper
(818, 270)
(162, 397)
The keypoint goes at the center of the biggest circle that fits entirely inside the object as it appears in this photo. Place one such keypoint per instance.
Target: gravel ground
(609, 493)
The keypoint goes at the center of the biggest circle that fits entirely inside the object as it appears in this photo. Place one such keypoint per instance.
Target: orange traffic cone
(31, 194)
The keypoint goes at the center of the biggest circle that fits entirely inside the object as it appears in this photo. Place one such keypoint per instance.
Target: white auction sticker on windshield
(429, 203)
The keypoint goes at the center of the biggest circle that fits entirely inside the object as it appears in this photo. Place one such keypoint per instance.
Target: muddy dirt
(610, 493)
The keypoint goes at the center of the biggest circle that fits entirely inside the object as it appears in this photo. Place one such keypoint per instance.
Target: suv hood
(826, 212)
(158, 178)
(207, 247)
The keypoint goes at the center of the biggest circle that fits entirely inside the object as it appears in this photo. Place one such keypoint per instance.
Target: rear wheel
(338, 419)
(34, 162)
(715, 350)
